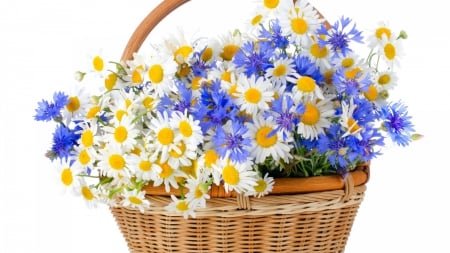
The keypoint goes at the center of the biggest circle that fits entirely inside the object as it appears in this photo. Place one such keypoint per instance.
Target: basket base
(314, 222)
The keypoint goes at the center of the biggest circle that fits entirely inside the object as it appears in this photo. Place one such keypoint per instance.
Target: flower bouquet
(288, 97)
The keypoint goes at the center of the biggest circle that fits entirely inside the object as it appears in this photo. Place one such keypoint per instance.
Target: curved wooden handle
(153, 19)
(147, 25)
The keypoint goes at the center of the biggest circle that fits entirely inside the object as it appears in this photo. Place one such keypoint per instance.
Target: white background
(43, 42)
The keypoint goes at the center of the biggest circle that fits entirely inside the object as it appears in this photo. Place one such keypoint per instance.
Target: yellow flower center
(182, 206)
(384, 79)
(92, 112)
(136, 76)
(110, 81)
(120, 114)
(226, 76)
(84, 157)
(148, 102)
(389, 51)
(299, 26)
(156, 74)
(116, 161)
(182, 53)
(120, 134)
(87, 138)
(230, 175)
(311, 115)
(371, 94)
(280, 70)
(353, 125)
(383, 31)
(263, 139)
(166, 170)
(66, 176)
(347, 62)
(210, 158)
(182, 147)
(185, 128)
(87, 193)
(207, 54)
(198, 192)
(352, 73)
(135, 200)
(228, 52)
(253, 95)
(260, 186)
(195, 83)
(97, 63)
(317, 51)
(306, 84)
(271, 4)
(145, 165)
(73, 104)
(256, 19)
(166, 136)
(232, 91)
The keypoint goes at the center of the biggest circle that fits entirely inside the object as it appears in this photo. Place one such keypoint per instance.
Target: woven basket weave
(306, 215)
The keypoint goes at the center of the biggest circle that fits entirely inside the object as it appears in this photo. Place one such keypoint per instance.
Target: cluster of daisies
(286, 97)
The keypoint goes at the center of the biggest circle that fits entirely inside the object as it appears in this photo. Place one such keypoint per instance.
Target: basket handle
(153, 19)
(148, 24)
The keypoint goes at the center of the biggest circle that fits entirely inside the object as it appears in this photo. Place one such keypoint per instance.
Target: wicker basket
(312, 214)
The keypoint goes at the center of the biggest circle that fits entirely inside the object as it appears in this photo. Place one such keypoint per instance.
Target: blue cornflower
(338, 38)
(397, 123)
(253, 59)
(351, 86)
(214, 107)
(198, 65)
(230, 142)
(341, 151)
(64, 140)
(47, 111)
(184, 102)
(273, 36)
(285, 114)
(305, 67)
(370, 138)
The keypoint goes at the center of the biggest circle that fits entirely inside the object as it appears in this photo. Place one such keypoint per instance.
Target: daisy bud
(403, 35)
(79, 76)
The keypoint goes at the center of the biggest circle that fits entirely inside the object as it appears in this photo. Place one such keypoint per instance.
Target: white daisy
(299, 22)
(168, 176)
(283, 71)
(229, 43)
(386, 80)
(188, 128)
(135, 199)
(306, 88)
(320, 55)
(316, 117)
(347, 121)
(198, 192)
(380, 33)
(114, 161)
(144, 167)
(239, 177)
(84, 158)
(181, 206)
(253, 95)
(162, 136)
(263, 186)
(391, 51)
(266, 142)
(67, 175)
(88, 193)
(76, 108)
(123, 133)
(161, 69)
